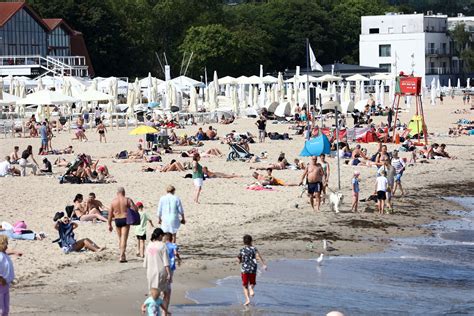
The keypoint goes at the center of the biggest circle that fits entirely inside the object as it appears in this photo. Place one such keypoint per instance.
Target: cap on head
(139, 204)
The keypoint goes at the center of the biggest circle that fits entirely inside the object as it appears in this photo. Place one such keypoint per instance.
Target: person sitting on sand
(15, 156)
(200, 135)
(84, 215)
(441, 152)
(7, 169)
(357, 154)
(209, 174)
(67, 240)
(280, 165)
(211, 134)
(94, 206)
(47, 167)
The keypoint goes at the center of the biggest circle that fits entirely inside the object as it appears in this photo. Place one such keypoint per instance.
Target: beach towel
(66, 236)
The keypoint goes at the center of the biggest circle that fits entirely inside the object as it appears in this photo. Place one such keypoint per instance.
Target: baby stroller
(68, 176)
(238, 152)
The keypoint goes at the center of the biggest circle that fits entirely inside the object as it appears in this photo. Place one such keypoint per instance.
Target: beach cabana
(46, 97)
(316, 146)
(272, 107)
(283, 110)
(357, 77)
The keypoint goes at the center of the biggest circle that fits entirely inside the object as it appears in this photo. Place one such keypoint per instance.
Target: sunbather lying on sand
(172, 166)
(211, 174)
(210, 153)
(270, 180)
(276, 166)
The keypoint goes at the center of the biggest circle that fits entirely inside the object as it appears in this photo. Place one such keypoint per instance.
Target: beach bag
(133, 217)
(122, 155)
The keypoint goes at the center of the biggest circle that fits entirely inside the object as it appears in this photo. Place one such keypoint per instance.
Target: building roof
(54, 23)
(9, 9)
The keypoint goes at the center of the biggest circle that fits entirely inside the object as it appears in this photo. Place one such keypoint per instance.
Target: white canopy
(184, 81)
(8, 99)
(357, 77)
(145, 82)
(301, 79)
(381, 76)
(283, 109)
(328, 78)
(92, 95)
(46, 97)
(242, 80)
(227, 80)
(269, 79)
(254, 80)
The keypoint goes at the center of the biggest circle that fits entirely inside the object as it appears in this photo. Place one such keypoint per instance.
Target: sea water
(431, 275)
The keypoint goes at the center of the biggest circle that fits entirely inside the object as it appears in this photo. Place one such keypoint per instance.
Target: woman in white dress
(170, 212)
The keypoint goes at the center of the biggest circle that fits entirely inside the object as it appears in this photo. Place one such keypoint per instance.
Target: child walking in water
(140, 230)
(355, 191)
(248, 259)
(7, 274)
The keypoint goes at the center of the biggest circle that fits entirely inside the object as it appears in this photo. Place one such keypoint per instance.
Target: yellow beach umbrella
(143, 129)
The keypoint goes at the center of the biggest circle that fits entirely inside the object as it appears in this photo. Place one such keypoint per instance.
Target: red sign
(410, 85)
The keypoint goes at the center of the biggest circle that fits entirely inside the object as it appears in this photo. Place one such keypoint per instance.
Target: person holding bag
(124, 213)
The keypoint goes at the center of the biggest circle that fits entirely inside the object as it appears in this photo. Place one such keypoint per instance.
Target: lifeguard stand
(410, 86)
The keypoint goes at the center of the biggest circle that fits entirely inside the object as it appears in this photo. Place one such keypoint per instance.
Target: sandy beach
(280, 221)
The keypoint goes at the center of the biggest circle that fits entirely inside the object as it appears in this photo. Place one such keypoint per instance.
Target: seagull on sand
(320, 259)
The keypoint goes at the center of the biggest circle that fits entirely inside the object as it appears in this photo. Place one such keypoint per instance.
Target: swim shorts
(381, 195)
(314, 187)
(141, 237)
(120, 222)
(249, 278)
(198, 182)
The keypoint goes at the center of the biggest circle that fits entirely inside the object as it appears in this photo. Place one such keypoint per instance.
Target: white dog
(335, 199)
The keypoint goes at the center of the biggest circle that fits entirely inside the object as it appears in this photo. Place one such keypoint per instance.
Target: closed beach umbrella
(39, 85)
(250, 96)
(468, 83)
(342, 95)
(281, 88)
(216, 83)
(459, 84)
(449, 83)
(377, 93)
(382, 93)
(357, 91)
(255, 96)
(347, 91)
(193, 104)
(142, 130)
(1, 88)
(433, 92)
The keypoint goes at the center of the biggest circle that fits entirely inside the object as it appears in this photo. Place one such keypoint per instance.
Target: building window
(386, 67)
(385, 50)
(374, 31)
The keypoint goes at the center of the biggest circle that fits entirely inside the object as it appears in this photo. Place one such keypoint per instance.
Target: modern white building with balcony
(415, 43)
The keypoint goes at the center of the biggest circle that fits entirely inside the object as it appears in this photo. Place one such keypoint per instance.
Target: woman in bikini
(101, 129)
(82, 214)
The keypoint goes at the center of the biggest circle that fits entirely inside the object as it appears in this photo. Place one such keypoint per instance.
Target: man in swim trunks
(118, 212)
(314, 178)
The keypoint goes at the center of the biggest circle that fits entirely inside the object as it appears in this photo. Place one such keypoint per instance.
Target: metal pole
(307, 88)
(337, 153)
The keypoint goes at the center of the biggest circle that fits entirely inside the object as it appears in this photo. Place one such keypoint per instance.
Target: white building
(415, 43)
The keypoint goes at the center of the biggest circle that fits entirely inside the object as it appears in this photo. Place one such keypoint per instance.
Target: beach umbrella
(142, 130)
(328, 78)
(11, 88)
(377, 93)
(357, 91)
(289, 93)
(438, 88)
(235, 100)
(347, 91)
(131, 101)
(362, 90)
(255, 96)
(468, 83)
(357, 77)
(391, 91)
(283, 110)
(331, 106)
(449, 83)
(459, 84)
(347, 106)
(228, 80)
(193, 104)
(7, 99)
(382, 93)
(46, 97)
(1, 88)
(269, 79)
(342, 94)
(382, 76)
(433, 92)
(281, 88)
(250, 96)
(216, 82)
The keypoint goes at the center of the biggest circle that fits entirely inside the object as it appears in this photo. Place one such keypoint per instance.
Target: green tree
(213, 47)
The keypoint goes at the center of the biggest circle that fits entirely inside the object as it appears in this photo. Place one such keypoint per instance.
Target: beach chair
(238, 153)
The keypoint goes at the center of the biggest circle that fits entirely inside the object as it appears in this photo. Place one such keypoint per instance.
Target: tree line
(124, 37)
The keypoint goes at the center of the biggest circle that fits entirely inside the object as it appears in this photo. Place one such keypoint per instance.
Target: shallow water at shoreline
(423, 275)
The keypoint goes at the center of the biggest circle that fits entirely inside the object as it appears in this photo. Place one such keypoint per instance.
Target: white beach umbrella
(250, 96)
(433, 92)
(459, 84)
(193, 104)
(149, 87)
(281, 87)
(1, 88)
(357, 77)
(131, 99)
(342, 94)
(235, 100)
(17, 88)
(7, 99)
(347, 91)
(382, 93)
(468, 83)
(46, 97)
(438, 88)
(11, 88)
(391, 91)
(357, 91)
(255, 97)
(377, 93)
(362, 90)
(228, 80)
(449, 84)
(216, 83)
